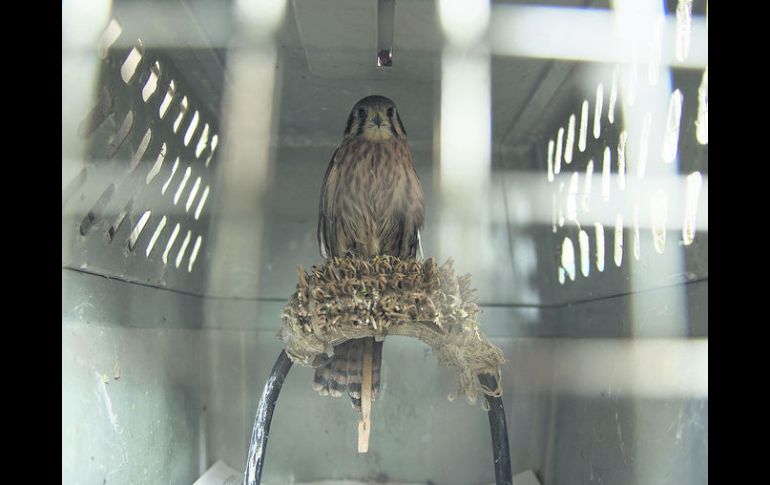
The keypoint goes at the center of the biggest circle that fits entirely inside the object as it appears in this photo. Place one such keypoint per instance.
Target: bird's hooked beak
(377, 120)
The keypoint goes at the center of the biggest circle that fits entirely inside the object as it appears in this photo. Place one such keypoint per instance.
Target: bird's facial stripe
(349, 126)
(401, 125)
(390, 112)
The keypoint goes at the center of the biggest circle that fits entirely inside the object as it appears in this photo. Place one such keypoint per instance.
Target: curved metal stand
(258, 446)
(499, 429)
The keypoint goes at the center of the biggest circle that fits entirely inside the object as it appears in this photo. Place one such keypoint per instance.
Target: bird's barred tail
(344, 371)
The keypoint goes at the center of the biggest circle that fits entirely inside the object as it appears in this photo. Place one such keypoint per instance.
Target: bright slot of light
(170, 243)
(155, 236)
(622, 138)
(194, 254)
(583, 126)
(702, 122)
(138, 230)
(541, 194)
(182, 185)
(570, 139)
(653, 65)
(671, 136)
(259, 16)
(464, 21)
(183, 249)
(592, 34)
(465, 131)
(613, 96)
(585, 260)
(557, 159)
(694, 182)
(683, 28)
(599, 246)
(466, 123)
(550, 161)
(618, 253)
(170, 177)
(568, 258)
(598, 110)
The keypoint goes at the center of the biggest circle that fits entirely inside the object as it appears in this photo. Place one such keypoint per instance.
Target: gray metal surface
(162, 366)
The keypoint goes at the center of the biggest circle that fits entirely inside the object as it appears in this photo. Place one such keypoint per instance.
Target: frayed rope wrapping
(353, 297)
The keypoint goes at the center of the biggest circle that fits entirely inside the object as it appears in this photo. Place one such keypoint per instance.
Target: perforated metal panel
(140, 204)
(626, 184)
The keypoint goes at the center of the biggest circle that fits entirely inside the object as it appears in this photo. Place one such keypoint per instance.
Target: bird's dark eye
(391, 111)
(361, 113)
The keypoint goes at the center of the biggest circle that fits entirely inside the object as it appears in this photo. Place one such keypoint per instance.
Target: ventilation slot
(599, 247)
(171, 176)
(692, 193)
(120, 136)
(618, 252)
(193, 193)
(194, 254)
(129, 66)
(152, 83)
(191, 129)
(201, 203)
(155, 236)
(598, 111)
(167, 100)
(134, 237)
(702, 122)
(182, 112)
(567, 260)
(158, 162)
(182, 185)
(214, 142)
(570, 139)
(202, 141)
(108, 38)
(671, 140)
(557, 159)
(115, 227)
(180, 254)
(583, 127)
(97, 211)
(170, 243)
(142, 148)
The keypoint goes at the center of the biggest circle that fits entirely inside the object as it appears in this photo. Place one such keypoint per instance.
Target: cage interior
(563, 151)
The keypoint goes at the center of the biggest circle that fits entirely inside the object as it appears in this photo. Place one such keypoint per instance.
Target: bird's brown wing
(418, 214)
(413, 216)
(326, 230)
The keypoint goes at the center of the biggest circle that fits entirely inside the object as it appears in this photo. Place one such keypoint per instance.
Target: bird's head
(375, 118)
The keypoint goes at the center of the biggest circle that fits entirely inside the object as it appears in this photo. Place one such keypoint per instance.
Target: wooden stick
(364, 426)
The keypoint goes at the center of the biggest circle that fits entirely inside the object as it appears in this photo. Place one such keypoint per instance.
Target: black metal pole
(499, 430)
(258, 446)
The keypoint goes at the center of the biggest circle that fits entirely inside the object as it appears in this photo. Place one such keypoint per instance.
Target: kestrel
(371, 204)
